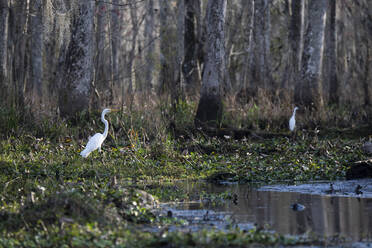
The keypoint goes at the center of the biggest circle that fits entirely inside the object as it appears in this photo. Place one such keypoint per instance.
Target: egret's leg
(103, 157)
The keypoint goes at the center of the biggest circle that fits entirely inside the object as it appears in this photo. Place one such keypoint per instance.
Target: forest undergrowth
(51, 196)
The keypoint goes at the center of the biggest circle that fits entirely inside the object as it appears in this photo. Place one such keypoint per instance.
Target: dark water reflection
(325, 215)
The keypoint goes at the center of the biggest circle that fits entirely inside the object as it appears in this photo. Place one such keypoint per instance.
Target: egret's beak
(115, 110)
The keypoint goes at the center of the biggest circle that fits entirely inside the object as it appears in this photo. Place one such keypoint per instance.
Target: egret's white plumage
(292, 121)
(96, 141)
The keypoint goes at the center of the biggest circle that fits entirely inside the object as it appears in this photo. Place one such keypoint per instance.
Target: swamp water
(342, 210)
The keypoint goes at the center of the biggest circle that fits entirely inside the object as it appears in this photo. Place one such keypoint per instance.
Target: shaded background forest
(61, 57)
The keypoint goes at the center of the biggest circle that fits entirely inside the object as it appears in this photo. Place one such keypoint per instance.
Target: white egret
(292, 121)
(96, 141)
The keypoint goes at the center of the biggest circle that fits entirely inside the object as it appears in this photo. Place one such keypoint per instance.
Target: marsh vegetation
(51, 196)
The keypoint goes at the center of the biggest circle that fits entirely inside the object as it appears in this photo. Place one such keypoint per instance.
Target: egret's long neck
(106, 125)
(294, 112)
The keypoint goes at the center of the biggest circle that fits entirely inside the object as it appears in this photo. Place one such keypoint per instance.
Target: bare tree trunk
(18, 17)
(75, 90)
(366, 82)
(169, 80)
(210, 105)
(342, 67)
(59, 48)
(294, 38)
(260, 62)
(304, 23)
(149, 39)
(131, 73)
(115, 47)
(168, 46)
(36, 59)
(234, 19)
(308, 91)
(351, 50)
(190, 67)
(295, 32)
(99, 82)
(4, 14)
(332, 62)
(267, 42)
(180, 44)
(164, 80)
(247, 76)
(366, 78)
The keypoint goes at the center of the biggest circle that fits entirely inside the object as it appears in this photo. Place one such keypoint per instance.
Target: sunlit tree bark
(209, 110)
(308, 91)
(75, 88)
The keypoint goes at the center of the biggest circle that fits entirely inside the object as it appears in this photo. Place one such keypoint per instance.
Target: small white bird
(292, 121)
(96, 141)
